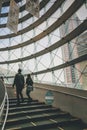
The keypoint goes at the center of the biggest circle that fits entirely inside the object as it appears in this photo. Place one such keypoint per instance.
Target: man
(19, 83)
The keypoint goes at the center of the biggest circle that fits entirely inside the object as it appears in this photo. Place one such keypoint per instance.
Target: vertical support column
(35, 48)
(9, 56)
(51, 60)
(51, 56)
(61, 30)
(21, 49)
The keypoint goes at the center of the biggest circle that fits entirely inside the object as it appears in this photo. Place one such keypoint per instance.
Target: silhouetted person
(29, 86)
(2, 78)
(19, 83)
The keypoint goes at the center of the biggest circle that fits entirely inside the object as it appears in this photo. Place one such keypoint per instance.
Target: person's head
(28, 75)
(19, 70)
(2, 78)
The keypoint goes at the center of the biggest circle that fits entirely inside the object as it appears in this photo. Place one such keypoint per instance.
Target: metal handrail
(5, 100)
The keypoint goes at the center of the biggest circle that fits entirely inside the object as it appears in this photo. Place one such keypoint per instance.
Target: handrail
(6, 112)
(5, 100)
(62, 92)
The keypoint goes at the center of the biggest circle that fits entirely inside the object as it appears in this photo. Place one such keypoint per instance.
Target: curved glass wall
(53, 48)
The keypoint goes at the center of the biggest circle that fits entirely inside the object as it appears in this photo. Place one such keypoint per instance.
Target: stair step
(36, 118)
(79, 125)
(39, 116)
(24, 113)
(28, 107)
(15, 100)
(41, 125)
(24, 104)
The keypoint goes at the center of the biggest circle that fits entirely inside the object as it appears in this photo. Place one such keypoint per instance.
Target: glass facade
(47, 46)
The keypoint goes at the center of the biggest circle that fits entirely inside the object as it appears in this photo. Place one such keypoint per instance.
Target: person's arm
(14, 82)
(32, 82)
(27, 81)
(23, 80)
(13, 85)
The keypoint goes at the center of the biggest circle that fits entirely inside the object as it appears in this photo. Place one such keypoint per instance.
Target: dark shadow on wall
(2, 91)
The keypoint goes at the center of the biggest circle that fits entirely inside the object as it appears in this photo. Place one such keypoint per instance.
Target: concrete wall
(70, 100)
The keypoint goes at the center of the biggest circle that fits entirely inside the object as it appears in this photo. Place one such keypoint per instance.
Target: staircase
(36, 115)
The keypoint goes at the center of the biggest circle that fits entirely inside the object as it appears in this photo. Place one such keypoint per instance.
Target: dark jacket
(29, 81)
(19, 81)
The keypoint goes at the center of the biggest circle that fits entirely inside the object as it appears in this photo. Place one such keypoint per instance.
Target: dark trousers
(28, 94)
(19, 94)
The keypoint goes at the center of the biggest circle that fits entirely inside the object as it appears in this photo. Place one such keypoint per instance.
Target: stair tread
(28, 107)
(38, 115)
(30, 111)
(24, 103)
(38, 123)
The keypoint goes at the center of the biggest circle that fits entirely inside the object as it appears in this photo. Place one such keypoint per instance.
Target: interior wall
(70, 100)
